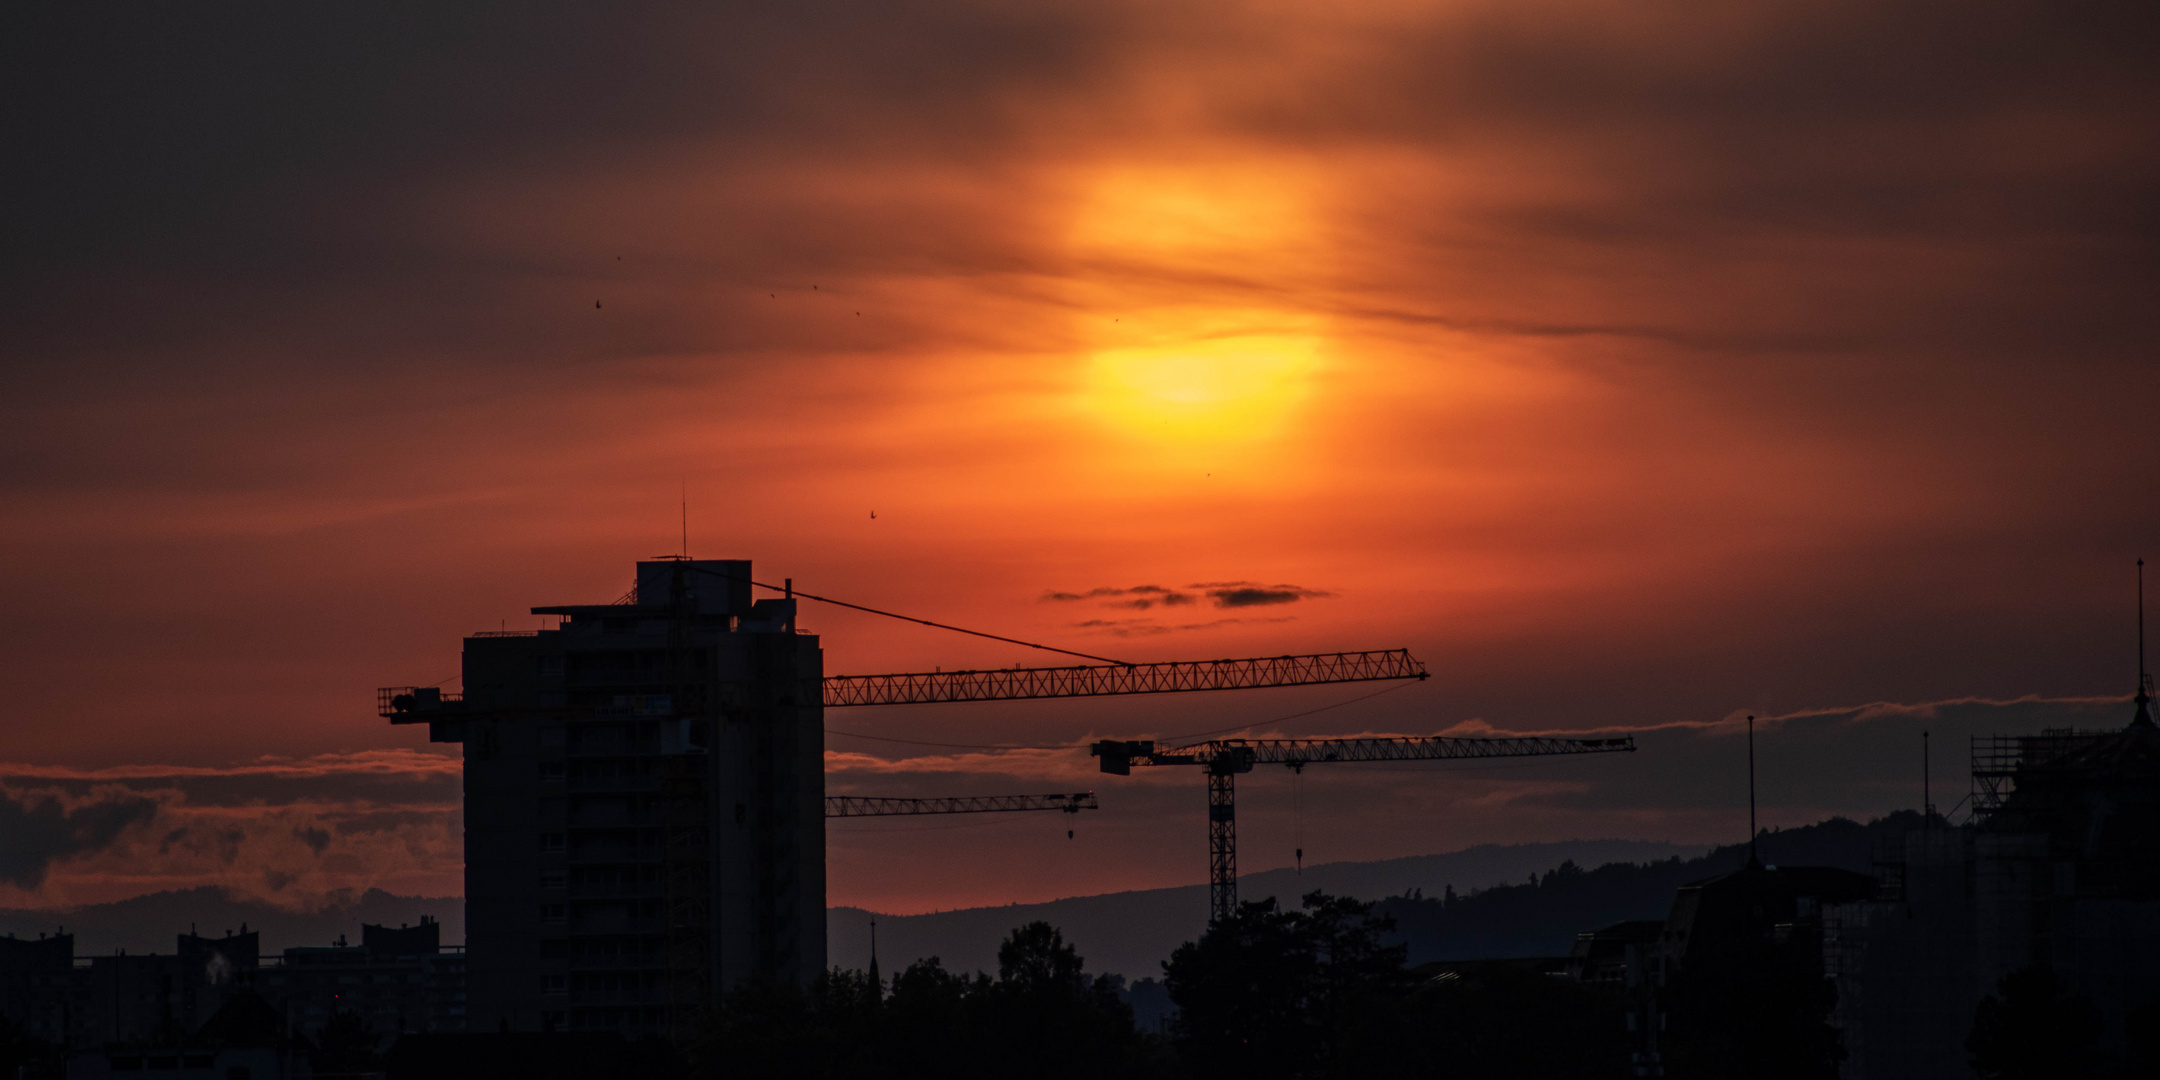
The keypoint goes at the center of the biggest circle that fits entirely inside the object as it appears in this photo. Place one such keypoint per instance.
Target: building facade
(644, 804)
(398, 979)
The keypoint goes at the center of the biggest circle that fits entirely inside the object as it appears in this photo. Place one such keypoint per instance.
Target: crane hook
(1298, 789)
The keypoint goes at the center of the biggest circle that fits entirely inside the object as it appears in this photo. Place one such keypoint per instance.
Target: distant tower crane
(838, 806)
(1225, 758)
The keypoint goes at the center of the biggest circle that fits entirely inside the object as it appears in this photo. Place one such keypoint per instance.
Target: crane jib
(879, 806)
(1240, 755)
(1096, 680)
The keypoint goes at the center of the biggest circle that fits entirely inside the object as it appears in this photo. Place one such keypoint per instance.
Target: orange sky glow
(1636, 368)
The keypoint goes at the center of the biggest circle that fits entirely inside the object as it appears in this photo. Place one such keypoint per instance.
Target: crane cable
(1297, 788)
(791, 591)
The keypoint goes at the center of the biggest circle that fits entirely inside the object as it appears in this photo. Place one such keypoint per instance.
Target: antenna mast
(1752, 859)
(2144, 689)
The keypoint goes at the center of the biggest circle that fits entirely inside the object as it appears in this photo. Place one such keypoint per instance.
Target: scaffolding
(1997, 760)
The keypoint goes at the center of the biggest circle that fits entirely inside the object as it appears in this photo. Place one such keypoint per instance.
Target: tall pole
(1927, 804)
(1751, 854)
(2144, 688)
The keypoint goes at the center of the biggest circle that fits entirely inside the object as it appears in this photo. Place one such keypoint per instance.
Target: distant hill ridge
(1541, 918)
(1131, 933)
(1509, 900)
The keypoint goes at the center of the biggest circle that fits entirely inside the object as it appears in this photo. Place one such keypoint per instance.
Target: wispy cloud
(1223, 595)
(381, 763)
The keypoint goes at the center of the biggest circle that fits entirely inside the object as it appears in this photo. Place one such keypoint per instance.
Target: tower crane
(716, 689)
(1224, 759)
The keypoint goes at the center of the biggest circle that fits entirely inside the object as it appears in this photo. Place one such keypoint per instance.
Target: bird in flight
(873, 515)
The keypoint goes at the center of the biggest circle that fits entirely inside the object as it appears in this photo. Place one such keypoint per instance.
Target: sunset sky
(1637, 366)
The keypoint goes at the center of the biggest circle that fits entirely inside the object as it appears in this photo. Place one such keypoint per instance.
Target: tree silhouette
(1489, 1021)
(346, 1044)
(1759, 1009)
(2036, 1026)
(1043, 1018)
(21, 1053)
(1267, 992)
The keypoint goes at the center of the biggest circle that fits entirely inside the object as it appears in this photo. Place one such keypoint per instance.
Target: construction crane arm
(1096, 680)
(1427, 748)
(1119, 756)
(871, 806)
(415, 704)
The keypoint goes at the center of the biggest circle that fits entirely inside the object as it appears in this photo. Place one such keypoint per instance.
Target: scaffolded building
(2059, 868)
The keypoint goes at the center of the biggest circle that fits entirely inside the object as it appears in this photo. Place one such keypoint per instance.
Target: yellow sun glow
(1185, 356)
(1213, 389)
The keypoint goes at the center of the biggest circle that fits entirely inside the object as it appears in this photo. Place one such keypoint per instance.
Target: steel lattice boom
(1096, 680)
(872, 806)
(1301, 752)
(409, 704)
(1225, 758)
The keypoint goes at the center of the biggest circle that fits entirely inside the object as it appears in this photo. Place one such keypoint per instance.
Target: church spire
(877, 982)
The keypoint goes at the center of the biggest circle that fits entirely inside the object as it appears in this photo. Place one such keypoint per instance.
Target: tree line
(1318, 992)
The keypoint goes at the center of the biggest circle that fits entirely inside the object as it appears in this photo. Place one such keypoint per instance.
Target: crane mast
(1225, 758)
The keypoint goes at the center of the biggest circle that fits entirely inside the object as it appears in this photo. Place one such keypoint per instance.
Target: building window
(554, 879)
(554, 985)
(552, 913)
(551, 841)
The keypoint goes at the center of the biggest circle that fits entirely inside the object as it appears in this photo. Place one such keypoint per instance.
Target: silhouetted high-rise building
(644, 803)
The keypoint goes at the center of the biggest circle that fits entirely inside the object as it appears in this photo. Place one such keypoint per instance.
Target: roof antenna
(2145, 683)
(686, 517)
(1752, 860)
